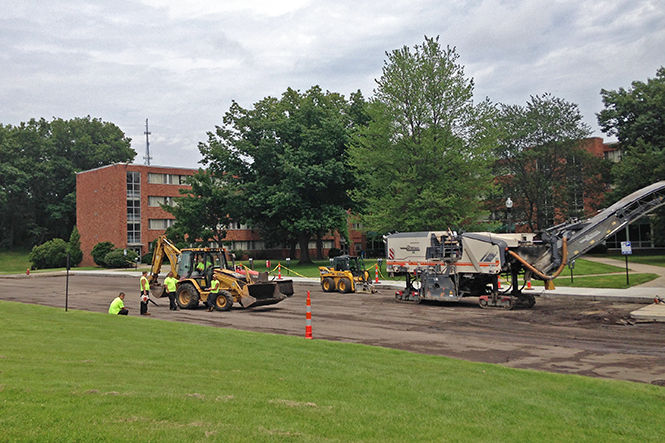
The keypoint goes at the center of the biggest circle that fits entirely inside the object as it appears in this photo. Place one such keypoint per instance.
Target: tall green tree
(542, 165)
(424, 154)
(286, 158)
(636, 117)
(204, 212)
(39, 160)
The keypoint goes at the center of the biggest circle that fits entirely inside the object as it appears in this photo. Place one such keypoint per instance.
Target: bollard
(268, 264)
(376, 273)
(288, 266)
(27, 271)
(279, 271)
(251, 264)
(308, 319)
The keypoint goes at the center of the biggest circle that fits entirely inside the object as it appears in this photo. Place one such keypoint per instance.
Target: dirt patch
(568, 335)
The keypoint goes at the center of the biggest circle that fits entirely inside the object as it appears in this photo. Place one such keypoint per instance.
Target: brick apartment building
(121, 203)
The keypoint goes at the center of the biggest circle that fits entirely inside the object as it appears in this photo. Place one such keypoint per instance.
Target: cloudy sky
(180, 63)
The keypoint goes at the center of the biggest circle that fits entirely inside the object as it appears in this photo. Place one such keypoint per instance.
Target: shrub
(100, 250)
(118, 259)
(52, 254)
(74, 248)
(147, 258)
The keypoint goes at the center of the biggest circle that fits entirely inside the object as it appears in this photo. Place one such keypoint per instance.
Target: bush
(147, 258)
(100, 250)
(118, 259)
(74, 248)
(52, 254)
(334, 252)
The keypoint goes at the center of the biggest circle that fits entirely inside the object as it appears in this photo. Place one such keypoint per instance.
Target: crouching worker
(214, 293)
(118, 305)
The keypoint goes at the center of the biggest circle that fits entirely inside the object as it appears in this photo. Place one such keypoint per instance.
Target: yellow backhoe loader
(346, 272)
(195, 268)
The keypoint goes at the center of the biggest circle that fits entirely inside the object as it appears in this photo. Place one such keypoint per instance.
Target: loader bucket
(261, 294)
(285, 287)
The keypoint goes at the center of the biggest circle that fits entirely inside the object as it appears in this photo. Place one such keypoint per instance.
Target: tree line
(419, 154)
(38, 165)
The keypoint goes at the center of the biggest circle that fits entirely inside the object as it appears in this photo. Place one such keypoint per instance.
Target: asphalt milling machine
(195, 268)
(445, 266)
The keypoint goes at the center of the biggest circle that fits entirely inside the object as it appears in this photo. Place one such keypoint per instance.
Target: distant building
(121, 203)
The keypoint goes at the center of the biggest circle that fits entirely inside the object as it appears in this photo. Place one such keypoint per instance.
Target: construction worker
(118, 305)
(170, 282)
(214, 293)
(144, 286)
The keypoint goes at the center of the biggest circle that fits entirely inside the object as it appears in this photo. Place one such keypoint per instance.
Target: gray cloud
(182, 63)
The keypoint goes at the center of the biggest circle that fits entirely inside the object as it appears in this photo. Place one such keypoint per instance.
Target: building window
(357, 226)
(160, 223)
(133, 233)
(167, 179)
(157, 201)
(235, 226)
(133, 207)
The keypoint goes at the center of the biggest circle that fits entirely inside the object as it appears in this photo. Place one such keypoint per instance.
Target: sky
(180, 64)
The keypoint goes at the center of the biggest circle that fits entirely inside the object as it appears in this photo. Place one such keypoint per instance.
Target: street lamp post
(509, 209)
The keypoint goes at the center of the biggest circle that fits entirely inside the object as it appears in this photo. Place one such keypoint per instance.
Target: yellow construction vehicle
(195, 268)
(346, 272)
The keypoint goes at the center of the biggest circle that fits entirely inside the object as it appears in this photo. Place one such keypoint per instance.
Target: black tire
(344, 285)
(328, 284)
(224, 301)
(482, 303)
(187, 296)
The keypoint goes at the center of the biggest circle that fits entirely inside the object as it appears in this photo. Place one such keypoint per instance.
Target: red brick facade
(102, 206)
(102, 213)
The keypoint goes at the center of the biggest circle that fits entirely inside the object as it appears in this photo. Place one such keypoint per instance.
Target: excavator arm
(163, 248)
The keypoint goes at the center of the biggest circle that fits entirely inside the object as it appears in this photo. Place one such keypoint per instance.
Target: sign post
(626, 250)
(571, 265)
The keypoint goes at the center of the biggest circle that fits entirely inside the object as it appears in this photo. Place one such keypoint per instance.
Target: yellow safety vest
(214, 286)
(144, 285)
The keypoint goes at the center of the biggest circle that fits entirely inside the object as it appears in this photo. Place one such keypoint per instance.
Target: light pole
(509, 209)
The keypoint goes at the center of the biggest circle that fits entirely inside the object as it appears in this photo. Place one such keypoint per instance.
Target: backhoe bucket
(260, 294)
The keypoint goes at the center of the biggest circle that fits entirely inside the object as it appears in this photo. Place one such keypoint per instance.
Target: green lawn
(14, 261)
(82, 376)
(655, 260)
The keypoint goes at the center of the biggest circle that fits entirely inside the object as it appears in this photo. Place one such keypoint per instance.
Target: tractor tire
(224, 301)
(328, 284)
(187, 296)
(344, 285)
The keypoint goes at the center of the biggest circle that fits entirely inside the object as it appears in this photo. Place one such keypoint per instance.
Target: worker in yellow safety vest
(214, 293)
(118, 305)
(144, 296)
(170, 282)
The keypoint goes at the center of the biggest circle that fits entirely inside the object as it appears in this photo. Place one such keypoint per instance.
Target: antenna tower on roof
(147, 156)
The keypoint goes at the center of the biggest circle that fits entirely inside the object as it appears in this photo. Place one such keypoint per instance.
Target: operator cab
(200, 265)
(348, 263)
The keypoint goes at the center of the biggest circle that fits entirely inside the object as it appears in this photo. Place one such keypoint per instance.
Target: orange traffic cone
(279, 271)
(498, 283)
(376, 273)
(528, 284)
(308, 319)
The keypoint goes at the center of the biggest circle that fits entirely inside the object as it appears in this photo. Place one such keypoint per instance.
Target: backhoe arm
(163, 247)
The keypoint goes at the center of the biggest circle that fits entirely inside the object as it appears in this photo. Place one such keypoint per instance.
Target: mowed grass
(14, 261)
(82, 376)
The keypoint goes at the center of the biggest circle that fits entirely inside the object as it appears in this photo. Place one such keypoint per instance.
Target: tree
(542, 164)
(204, 212)
(38, 165)
(285, 159)
(635, 117)
(74, 248)
(423, 156)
